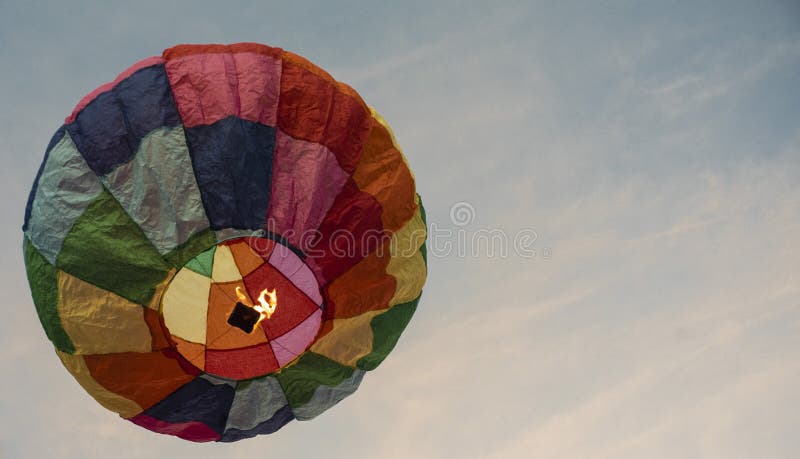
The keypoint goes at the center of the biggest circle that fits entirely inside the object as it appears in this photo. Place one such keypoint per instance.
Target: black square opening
(244, 317)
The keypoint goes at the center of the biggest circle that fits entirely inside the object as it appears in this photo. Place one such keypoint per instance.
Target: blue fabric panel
(232, 161)
(280, 419)
(199, 400)
(107, 132)
(53, 141)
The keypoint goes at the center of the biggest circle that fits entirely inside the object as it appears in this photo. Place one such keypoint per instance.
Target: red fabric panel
(242, 363)
(293, 305)
(351, 230)
(156, 327)
(364, 287)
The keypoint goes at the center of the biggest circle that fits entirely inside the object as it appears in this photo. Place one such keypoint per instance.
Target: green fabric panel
(203, 263)
(196, 245)
(325, 397)
(386, 330)
(107, 249)
(43, 279)
(300, 381)
(423, 250)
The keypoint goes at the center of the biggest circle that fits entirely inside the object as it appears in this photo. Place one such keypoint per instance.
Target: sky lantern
(223, 239)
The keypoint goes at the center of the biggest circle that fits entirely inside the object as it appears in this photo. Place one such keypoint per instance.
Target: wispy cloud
(665, 323)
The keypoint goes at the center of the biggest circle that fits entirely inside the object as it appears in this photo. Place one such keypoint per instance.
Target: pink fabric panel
(285, 261)
(192, 431)
(210, 87)
(150, 61)
(306, 178)
(287, 347)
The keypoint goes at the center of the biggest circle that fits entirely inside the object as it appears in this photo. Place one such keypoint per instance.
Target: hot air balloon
(223, 239)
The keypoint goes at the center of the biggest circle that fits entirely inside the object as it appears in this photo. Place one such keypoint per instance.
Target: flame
(242, 297)
(267, 306)
(267, 299)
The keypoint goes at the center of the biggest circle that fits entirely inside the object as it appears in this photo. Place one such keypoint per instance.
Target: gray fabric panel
(66, 188)
(325, 397)
(230, 233)
(157, 188)
(256, 401)
(217, 381)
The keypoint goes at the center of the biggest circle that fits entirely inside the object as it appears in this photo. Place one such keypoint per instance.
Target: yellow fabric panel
(407, 264)
(98, 321)
(111, 401)
(349, 340)
(155, 302)
(185, 306)
(225, 269)
(383, 123)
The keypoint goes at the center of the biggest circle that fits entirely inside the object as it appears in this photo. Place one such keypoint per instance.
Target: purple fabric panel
(192, 431)
(285, 261)
(293, 343)
(306, 179)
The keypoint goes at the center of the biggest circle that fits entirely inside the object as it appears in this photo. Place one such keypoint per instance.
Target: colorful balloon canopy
(223, 239)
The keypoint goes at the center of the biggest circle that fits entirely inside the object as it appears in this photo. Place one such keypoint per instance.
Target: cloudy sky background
(653, 147)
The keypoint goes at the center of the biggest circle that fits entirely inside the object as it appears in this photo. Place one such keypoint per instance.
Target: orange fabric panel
(364, 287)
(382, 173)
(246, 259)
(314, 108)
(188, 50)
(194, 353)
(144, 378)
(219, 334)
(77, 367)
(305, 64)
(327, 327)
(261, 247)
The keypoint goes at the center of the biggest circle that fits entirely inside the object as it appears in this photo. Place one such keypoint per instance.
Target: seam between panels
(298, 324)
(295, 285)
(127, 214)
(348, 176)
(189, 153)
(39, 172)
(285, 395)
(273, 167)
(279, 79)
(125, 120)
(229, 56)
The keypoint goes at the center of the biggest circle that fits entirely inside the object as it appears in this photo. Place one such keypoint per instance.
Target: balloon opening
(263, 309)
(244, 317)
(221, 312)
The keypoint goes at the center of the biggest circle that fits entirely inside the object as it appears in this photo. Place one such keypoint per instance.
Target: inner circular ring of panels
(243, 308)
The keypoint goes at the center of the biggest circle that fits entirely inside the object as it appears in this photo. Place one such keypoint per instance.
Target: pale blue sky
(654, 147)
